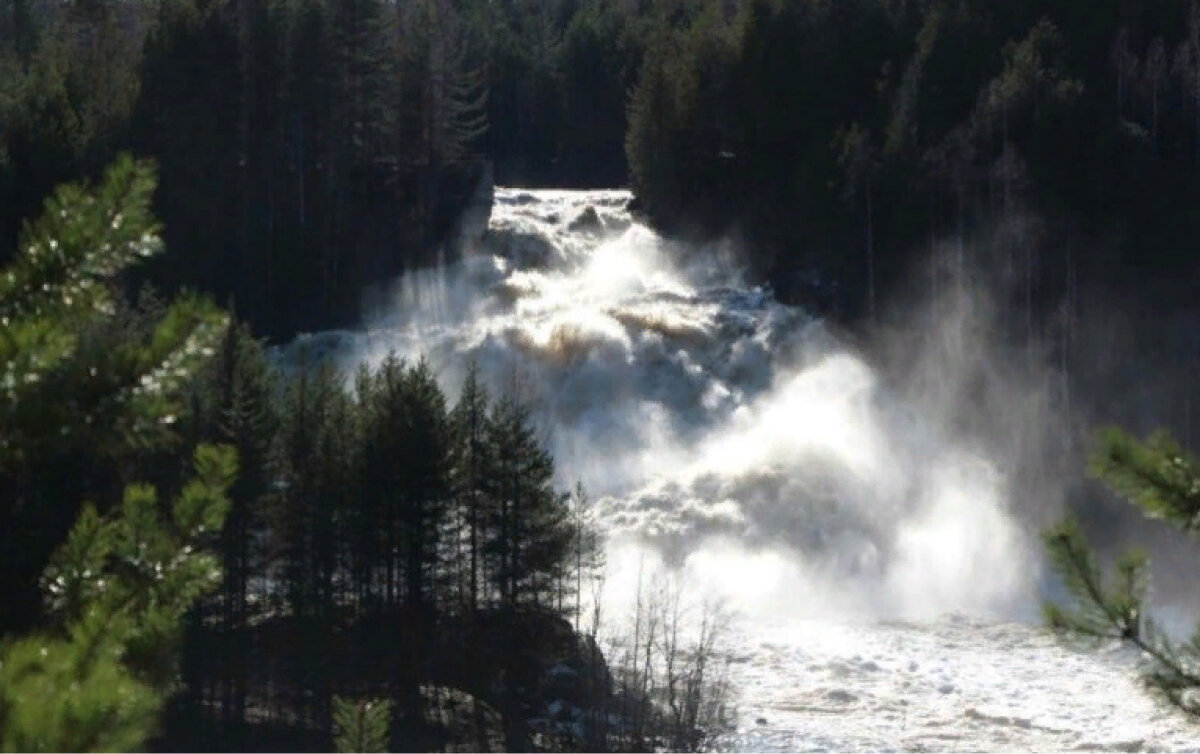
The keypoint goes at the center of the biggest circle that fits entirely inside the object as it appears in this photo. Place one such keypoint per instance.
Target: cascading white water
(737, 439)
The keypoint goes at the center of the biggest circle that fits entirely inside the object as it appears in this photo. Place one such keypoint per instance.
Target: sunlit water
(722, 433)
(952, 684)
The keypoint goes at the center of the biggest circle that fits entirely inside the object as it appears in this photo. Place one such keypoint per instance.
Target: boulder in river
(587, 221)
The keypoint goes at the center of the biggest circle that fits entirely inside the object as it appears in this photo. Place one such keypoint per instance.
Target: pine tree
(1164, 482)
(236, 405)
(360, 726)
(365, 517)
(530, 529)
(424, 468)
(587, 550)
(472, 458)
(381, 402)
(96, 673)
(445, 99)
(316, 460)
(77, 387)
(118, 589)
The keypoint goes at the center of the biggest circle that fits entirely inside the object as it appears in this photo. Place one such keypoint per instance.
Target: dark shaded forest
(844, 141)
(310, 149)
(377, 542)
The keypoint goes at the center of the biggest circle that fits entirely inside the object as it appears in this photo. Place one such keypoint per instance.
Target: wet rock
(477, 213)
(522, 247)
(460, 722)
(586, 221)
(1131, 746)
(1023, 723)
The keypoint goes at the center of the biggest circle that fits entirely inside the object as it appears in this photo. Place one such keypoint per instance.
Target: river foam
(845, 512)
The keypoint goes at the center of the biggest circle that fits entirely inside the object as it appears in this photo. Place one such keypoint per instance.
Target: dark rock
(588, 221)
(477, 210)
(460, 722)
(521, 248)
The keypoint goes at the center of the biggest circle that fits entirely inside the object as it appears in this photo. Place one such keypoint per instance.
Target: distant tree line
(843, 142)
(309, 148)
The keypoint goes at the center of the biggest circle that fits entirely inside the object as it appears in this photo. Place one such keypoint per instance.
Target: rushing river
(863, 528)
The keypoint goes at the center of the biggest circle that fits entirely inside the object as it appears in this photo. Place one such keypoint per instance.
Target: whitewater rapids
(887, 588)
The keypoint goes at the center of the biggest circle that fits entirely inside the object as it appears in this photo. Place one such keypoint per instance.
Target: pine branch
(360, 726)
(117, 587)
(1155, 475)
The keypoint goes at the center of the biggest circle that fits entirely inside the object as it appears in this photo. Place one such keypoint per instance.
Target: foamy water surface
(847, 518)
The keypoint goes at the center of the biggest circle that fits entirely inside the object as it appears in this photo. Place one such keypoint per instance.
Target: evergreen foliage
(360, 726)
(85, 383)
(530, 528)
(97, 669)
(310, 149)
(1157, 477)
(844, 141)
(369, 510)
(116, 590)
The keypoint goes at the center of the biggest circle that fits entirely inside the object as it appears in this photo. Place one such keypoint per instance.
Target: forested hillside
(311, 148)
(308, 149)
(379, 541)
(844, 141)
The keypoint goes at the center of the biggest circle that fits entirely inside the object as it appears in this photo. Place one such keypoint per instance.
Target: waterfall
(870, 524)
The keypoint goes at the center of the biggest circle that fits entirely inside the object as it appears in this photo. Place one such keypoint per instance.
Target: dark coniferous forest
(201, 551)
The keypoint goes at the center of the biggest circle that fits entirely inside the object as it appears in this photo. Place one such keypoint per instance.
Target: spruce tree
(236, 405)
(472, 456)
(531, 530)
(424, 467)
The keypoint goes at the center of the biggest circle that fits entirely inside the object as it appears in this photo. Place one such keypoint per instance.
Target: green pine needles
(1160, 479)
(52, 384)
(360, 725)
(117, 590)
(96, 673)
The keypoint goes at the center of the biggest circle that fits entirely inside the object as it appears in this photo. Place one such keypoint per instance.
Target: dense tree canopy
(845, 140)
(309, 149)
